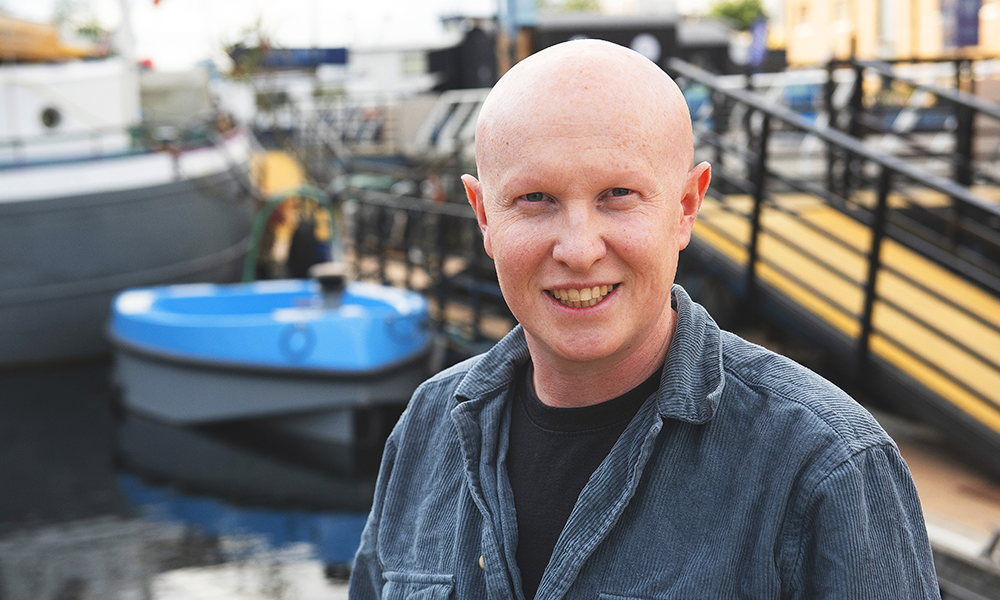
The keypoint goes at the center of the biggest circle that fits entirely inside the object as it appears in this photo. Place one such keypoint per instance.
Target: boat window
(51, 117)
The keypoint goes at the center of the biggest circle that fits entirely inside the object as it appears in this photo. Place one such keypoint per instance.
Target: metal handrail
(973, 253)
(958, 97)
(837, 138)
(433, 233)
(963, 106)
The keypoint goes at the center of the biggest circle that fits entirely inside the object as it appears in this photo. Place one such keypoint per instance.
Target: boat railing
(104, 142)
(92, 143)
(329, 133)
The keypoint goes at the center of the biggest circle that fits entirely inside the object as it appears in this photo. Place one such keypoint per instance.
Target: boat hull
(63, 259)
(204, 463)
(334, 424)
(190, 394)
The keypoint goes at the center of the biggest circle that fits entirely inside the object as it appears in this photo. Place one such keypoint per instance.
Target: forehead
(592, 97)
(570, 144)
(585, 139)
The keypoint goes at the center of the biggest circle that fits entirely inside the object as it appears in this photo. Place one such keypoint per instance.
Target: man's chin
(571, 348)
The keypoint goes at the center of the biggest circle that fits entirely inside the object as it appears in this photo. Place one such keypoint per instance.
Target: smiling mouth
(583, 297)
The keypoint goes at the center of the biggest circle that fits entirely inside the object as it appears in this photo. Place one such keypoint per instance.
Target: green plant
(741, 13)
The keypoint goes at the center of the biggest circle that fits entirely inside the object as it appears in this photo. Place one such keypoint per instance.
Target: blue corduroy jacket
(744, 476)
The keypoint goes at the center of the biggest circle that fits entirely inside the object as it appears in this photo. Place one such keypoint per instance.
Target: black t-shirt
(553, 452)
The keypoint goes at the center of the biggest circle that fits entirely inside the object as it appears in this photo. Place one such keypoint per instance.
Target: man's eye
(534, 197)
(620, 191)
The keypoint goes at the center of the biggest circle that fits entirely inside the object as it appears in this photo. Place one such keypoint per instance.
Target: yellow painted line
(987, 192)
(921, 341)
(826, 311)
(707, 227)
(983, 412)
(947, 318)
(908, 262)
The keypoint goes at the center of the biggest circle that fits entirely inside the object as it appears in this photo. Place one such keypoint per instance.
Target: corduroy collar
(692, 382)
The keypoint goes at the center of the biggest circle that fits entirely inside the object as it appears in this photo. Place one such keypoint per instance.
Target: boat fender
(297, 341)
(402, 329)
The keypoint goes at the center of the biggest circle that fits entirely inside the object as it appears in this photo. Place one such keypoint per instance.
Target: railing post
(382, 234)
(854, 126)
(442, 290)
(964, 122)
(475, 291)
(828, 89)
(357, 235)
(720, 123)
(411, 236)
(759, 182)
(874, 264)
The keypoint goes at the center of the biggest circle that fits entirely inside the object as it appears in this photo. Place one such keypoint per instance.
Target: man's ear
(474, 192)
(695, 189)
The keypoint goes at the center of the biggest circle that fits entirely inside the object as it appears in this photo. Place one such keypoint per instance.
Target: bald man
(617, 444)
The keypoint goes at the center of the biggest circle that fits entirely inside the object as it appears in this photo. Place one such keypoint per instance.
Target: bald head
(585, 197)
(585, 84)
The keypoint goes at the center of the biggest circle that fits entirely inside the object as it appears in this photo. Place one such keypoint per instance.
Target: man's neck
(568, 384)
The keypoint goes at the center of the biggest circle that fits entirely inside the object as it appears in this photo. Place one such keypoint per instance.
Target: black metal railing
(889, 200)
(955, 111)
(434, 248)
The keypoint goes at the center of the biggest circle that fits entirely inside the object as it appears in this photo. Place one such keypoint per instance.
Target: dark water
(97, 504)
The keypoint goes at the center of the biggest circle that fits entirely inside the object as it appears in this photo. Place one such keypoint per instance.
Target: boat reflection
(240, 501)
(241, 532)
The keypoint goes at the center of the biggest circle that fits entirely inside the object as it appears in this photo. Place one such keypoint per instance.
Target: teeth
(582, 297)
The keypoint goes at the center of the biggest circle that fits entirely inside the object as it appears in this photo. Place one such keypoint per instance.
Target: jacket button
(482, 565)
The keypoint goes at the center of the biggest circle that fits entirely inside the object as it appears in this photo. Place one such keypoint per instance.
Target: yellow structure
(818, 30)
(32, 42)
(277, 171)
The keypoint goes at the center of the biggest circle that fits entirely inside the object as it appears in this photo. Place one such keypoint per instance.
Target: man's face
(584, 218)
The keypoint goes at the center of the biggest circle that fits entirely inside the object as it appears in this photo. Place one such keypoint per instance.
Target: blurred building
(704, 42)
(818, 30)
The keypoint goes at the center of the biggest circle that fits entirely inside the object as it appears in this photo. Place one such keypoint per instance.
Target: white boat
(93, 201)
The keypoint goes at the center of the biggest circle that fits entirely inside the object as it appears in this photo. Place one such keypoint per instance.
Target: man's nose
(580, 240)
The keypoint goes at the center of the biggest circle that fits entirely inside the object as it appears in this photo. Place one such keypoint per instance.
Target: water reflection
(98, 505)
(275, 552)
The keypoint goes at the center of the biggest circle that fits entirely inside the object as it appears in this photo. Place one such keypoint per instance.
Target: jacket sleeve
(366, 573)
(861, 534)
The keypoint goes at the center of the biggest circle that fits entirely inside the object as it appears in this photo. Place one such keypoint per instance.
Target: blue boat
(301, 356)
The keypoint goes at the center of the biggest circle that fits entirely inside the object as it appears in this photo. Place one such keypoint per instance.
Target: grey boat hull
(332, 422)
(63, 259)
(204, 463)
(191, 394)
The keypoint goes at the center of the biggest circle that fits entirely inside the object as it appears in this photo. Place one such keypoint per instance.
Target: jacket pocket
(417, 586)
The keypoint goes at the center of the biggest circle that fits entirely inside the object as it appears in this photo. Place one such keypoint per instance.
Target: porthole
(51, 117)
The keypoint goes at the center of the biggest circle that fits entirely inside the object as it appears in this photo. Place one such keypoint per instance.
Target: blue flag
(758, 42)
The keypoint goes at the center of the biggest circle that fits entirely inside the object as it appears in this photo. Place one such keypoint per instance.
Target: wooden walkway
(826, 275)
